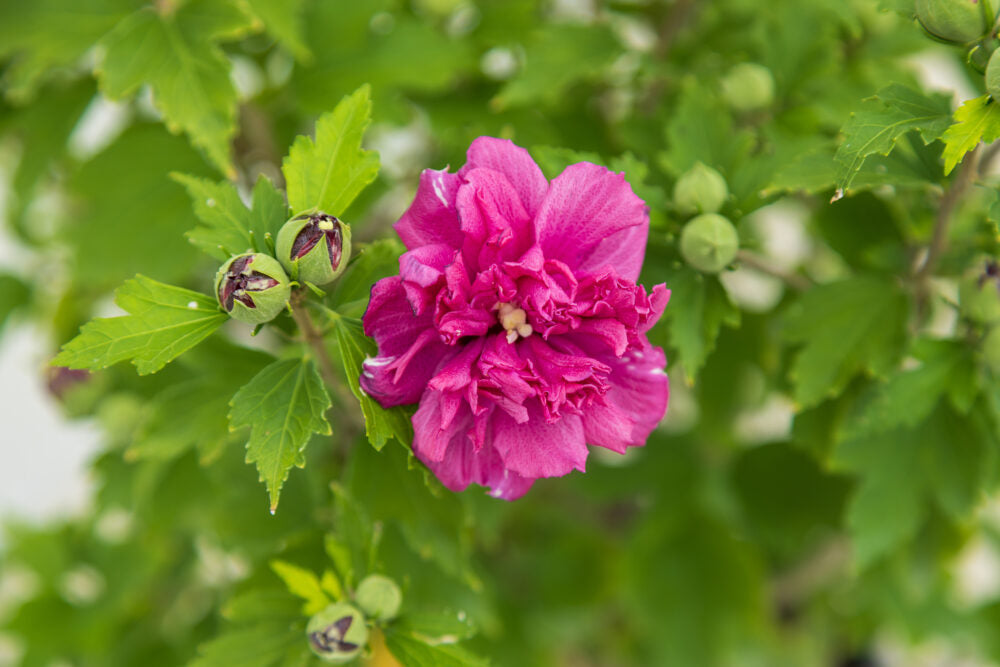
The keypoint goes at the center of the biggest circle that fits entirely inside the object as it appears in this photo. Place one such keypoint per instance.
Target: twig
(314, 339)
(989, 154)
(796, 281)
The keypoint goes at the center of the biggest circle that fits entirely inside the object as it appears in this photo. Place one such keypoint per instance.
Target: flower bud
(979, 294)
(379, 597)
(700, 190)
(709, 243)
(748, 87)
(314, 247)
(337, 634)
(993, 76)
(252, 288)
(959, 21)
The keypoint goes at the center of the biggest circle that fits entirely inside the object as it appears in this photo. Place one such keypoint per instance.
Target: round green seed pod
(379, 597)
(958, 21)
(709, 243)
(979, 298)
(314, 247)
(748, 87)
(700, 190)
(252, 288)
(337, 634)
(993, 76)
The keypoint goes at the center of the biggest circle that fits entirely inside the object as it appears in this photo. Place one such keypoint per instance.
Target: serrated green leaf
(176, 53)
(976, 120)
(163, 322)
(876, 127)
(381, 424)
(228, 226)
(328, 173)
(416, 652)
(262, 644)
(304, 584)
(283, 405)
(847, 327)
(43, 34)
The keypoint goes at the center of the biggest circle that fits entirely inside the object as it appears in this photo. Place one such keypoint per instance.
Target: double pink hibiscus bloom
(516, 321)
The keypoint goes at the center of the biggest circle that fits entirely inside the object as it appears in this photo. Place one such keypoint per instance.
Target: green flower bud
(700, 190)
(748, 87)
(959, 21)
(252, 288)
(993, 76)
(709, 243)
(379, 597)
(991, 350)
(338, 633)
(979, 295)
(314, 247)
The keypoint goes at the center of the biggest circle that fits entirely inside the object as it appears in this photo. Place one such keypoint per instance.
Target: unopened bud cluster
(338, 634)
(709, 240)
(967, 23)
(255, 287)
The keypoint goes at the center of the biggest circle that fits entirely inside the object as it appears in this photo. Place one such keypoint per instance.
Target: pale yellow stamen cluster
(325, 225)
(514, 320)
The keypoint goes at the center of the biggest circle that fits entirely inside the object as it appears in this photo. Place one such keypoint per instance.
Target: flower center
(514, 320)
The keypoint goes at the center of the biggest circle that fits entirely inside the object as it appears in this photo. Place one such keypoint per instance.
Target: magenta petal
(623, 250)
(421, 269)
(409, 347)
(432, 217)
(585, 205)
(538, 448)
(495, 223)
(634, 405)
(514, 163)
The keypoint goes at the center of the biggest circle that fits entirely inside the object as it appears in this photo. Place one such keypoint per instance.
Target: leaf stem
(796, 281)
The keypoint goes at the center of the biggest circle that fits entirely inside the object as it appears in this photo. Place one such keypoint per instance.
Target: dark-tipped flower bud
(748, 87)
(314, 247)
(337, 634)
(700, 190)
(979, 294)
(709, 243)
(252, 288)
(959, 21)
(379, 597)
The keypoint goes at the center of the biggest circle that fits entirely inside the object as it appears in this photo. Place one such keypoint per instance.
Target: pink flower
(516, 321)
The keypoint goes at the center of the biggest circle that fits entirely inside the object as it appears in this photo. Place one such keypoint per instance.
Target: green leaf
(380, 424)
(177, 55)
(283, 20)
(43, 34)
(556, 59)
(699, 306)
(163, 322)
(283, 405)
(372, 262)
(417, 652)
(304, 584)
(976, 120)
(437, 627)
(14, 293)
(263, 644)
(847, 327)
(328, 173)
(228, 226)
(891, 113)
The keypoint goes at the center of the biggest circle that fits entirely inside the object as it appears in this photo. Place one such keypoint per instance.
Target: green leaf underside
(414, 651)
(283, 405)
(228, 226)
(328, 173)
(163, 322)
(177, 55)
(380, 424)
(976, 120)
(847, 327)
(883, 119)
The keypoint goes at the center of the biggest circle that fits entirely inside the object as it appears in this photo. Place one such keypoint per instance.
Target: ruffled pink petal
(432, 217)
(623, 250)
(635, 403)
(537, 448)
(409, 347)
(585, 205)
(514, 163)
(495, 223)
(421, 270)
